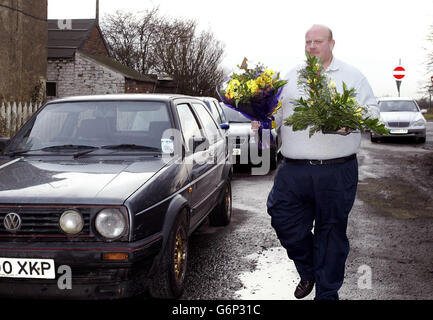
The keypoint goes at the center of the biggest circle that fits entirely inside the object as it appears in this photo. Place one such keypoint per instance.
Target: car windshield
(234, 116)
(398, 106)
(94, 124)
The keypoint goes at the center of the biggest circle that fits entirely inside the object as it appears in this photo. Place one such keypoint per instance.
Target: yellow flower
(351, 100)
(234, 84)
(269, 73)
(332, 85)
(252, 86)
(309, 81)
(358, 112)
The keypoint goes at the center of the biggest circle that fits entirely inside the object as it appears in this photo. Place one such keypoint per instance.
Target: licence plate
(27, 268)
(399, 131)
(236, 152)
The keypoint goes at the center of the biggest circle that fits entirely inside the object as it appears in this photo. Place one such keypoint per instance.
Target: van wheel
(169, 283)
(222, 213)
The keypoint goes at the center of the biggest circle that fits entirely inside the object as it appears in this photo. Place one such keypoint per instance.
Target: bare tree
(131, 38)
(192, 60)
(150, 43)
(425, 85)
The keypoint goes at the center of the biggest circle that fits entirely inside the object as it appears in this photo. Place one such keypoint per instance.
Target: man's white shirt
(298, 144)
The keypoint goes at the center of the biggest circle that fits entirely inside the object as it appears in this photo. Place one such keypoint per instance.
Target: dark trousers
(321, 195)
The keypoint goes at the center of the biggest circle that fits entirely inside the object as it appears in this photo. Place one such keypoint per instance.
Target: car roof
(207, 98)
(396, 99)
(124, 97)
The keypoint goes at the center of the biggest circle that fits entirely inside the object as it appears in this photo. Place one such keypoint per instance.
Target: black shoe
(304, 288)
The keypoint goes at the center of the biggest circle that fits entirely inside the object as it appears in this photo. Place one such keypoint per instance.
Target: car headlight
(418, 123)
(110, 223)
(71, 222)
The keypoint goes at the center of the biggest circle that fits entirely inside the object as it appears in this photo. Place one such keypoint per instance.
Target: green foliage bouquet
(325, 109)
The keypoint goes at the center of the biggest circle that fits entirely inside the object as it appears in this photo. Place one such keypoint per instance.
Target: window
(98, 123)
(140, 117)
(188, 123)
(398, 106)
(51, 89)
(221, 113)
(215, 111)
(209, 125)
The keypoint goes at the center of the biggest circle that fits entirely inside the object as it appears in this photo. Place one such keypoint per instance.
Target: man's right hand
(255, 125)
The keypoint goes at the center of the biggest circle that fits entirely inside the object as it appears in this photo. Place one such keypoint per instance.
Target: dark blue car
(98, 196)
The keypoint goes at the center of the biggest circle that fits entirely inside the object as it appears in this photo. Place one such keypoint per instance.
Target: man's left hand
(344, 131)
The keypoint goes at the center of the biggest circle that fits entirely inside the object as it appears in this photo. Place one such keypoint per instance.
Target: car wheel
(421, 140)
(373, 139)
(170, 282)
(222, 213)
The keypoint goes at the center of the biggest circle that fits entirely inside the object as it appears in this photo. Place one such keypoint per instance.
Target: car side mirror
(225, 126)
(199, 144)
(423, 110)
(3, 143)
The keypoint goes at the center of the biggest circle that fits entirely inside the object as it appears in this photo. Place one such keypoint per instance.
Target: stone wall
(83, 76)
(23, 50)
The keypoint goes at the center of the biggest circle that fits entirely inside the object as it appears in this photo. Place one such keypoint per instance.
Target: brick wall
(133, 86)
(95, 44)
(23, 49)
(83, 76)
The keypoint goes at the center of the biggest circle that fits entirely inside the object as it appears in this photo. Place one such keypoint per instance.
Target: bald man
(317, 180)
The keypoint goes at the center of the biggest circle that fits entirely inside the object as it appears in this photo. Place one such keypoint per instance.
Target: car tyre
(374, 139)
(222, 213)
(421, 140)
(169, 283)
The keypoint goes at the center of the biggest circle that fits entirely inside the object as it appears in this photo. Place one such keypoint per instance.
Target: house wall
(133, 86)
(83, 76)
(95, 44)
(23, 50)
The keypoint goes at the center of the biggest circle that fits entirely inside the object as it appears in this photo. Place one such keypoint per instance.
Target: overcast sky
(372, 35)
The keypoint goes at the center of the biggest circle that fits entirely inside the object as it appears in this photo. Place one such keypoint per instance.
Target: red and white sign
(399, 73)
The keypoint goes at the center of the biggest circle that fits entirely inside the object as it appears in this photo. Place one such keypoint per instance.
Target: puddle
(274, 278)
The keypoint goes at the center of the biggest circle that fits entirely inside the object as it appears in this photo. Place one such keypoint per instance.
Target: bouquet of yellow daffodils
(325, 109)
(254, 93)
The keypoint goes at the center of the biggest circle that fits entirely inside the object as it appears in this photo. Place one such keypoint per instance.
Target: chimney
(97, 12)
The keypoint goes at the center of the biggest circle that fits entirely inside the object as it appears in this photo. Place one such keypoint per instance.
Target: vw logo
(12, 222)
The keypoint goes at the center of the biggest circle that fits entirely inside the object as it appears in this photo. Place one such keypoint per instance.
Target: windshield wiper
(69, 146)
(16, 153)
(66, 146)
(88, 149)
(131, 146)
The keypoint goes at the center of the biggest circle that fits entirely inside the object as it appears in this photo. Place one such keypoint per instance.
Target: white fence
(14, 115)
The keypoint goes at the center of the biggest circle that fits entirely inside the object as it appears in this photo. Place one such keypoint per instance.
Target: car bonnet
(71, 182)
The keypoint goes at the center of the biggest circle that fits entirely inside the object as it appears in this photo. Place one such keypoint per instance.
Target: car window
(221, 113)
(215, 112)
(398, 106)
(134, 119)
(188, 123)
(234, 116)
(96, 123)
(209, 125)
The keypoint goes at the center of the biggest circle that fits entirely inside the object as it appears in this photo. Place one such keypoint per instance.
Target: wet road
(390, 231)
